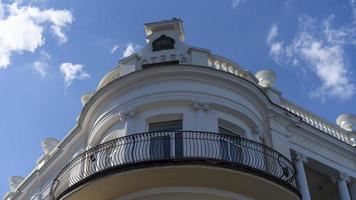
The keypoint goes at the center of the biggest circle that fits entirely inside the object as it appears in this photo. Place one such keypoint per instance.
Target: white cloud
(130, 49)
(235, 3)
(30, 1)
(114, 48)
(2, 10)
(44, 55)
(72, 72)
(353, 28)
(126, 49)
(22, 28)
(353, 7)
(272, 34)
(41, 67)
(320, 46)
(276, 47)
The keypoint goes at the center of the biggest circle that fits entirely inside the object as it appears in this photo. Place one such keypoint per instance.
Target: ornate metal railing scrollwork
(170, 147)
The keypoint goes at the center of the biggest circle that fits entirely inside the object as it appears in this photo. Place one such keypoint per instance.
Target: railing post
(133, 149)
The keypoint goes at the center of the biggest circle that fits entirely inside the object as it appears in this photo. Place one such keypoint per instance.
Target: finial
(14, 182)
(85, 97)
(266, 77)
(346, 121)
(48, 144)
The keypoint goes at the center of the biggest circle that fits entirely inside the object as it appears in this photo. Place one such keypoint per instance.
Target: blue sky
(53, 51)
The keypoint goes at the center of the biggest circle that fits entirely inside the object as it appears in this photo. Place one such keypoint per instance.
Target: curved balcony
(164, 148)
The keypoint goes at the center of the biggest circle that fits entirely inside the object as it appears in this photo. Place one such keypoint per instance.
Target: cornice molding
(187, 71)
(328, 151)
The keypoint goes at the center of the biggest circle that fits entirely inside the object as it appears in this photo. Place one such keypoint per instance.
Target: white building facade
(178, 122)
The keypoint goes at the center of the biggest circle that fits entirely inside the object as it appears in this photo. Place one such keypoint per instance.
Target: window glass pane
(225, 131)
(228, 128)
(167, 125)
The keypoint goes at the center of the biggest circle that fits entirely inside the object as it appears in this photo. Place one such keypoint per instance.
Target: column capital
(256, 131)
(301, 157)
(197, 105)
(340, 177)
(131, 114)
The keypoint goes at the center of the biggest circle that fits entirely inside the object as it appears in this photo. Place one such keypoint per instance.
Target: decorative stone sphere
(346, 121)
(14, 182)
(48, 144)
(85, 97)
(266, 77)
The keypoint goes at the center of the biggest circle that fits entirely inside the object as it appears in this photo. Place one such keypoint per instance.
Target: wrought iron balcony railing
(172, 147)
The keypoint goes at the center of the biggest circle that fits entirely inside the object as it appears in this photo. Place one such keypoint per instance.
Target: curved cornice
(184, 72)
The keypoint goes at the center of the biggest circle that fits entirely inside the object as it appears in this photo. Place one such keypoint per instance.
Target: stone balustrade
(226, 65)
(319, 123)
